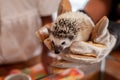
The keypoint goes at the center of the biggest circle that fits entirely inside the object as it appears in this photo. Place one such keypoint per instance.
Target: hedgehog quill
(70, 27)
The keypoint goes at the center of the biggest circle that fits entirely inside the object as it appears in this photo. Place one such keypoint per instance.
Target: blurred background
(22, 52)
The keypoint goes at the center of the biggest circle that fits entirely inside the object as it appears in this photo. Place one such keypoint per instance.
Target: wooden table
(112, 69)
(4, 69)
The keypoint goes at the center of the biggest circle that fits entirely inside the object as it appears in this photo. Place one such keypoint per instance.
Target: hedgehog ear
(64, 6)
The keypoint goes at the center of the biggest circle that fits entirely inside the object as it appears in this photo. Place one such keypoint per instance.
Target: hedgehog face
(67, 28)
(62, 34)
(60, 44)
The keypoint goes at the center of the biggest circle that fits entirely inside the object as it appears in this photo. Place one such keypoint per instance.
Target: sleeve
(19, 22)
(47, 7)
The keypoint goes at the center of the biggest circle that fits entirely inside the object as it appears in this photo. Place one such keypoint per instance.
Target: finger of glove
(66, 64)
(86, 48)
(80, 47)
(78, 59)
(100, 33)
(48, 44)
(100, 28)
(42, 33)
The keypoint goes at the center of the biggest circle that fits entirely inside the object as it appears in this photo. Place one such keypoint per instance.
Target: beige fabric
(47, 7)
(19, 21)
(101, 45)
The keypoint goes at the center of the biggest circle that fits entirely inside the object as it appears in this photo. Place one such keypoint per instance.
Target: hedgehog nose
(57, 51)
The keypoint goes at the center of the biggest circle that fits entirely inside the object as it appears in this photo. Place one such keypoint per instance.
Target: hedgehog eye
(63, 43)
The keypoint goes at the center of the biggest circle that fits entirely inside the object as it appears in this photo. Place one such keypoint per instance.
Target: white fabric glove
(85, 53)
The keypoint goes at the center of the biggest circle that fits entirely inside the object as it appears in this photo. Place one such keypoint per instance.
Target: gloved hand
(83, 53)
(96, 49)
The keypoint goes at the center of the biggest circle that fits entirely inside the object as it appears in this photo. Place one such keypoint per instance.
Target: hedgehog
(70, 27)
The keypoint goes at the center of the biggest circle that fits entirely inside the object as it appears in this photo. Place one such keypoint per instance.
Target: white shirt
(19, 20)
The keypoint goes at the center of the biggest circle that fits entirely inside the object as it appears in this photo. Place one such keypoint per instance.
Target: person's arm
(46, 19)
(96, 9)
(45, 58)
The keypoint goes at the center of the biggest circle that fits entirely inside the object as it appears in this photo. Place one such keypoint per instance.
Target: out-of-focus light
(78, 4)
